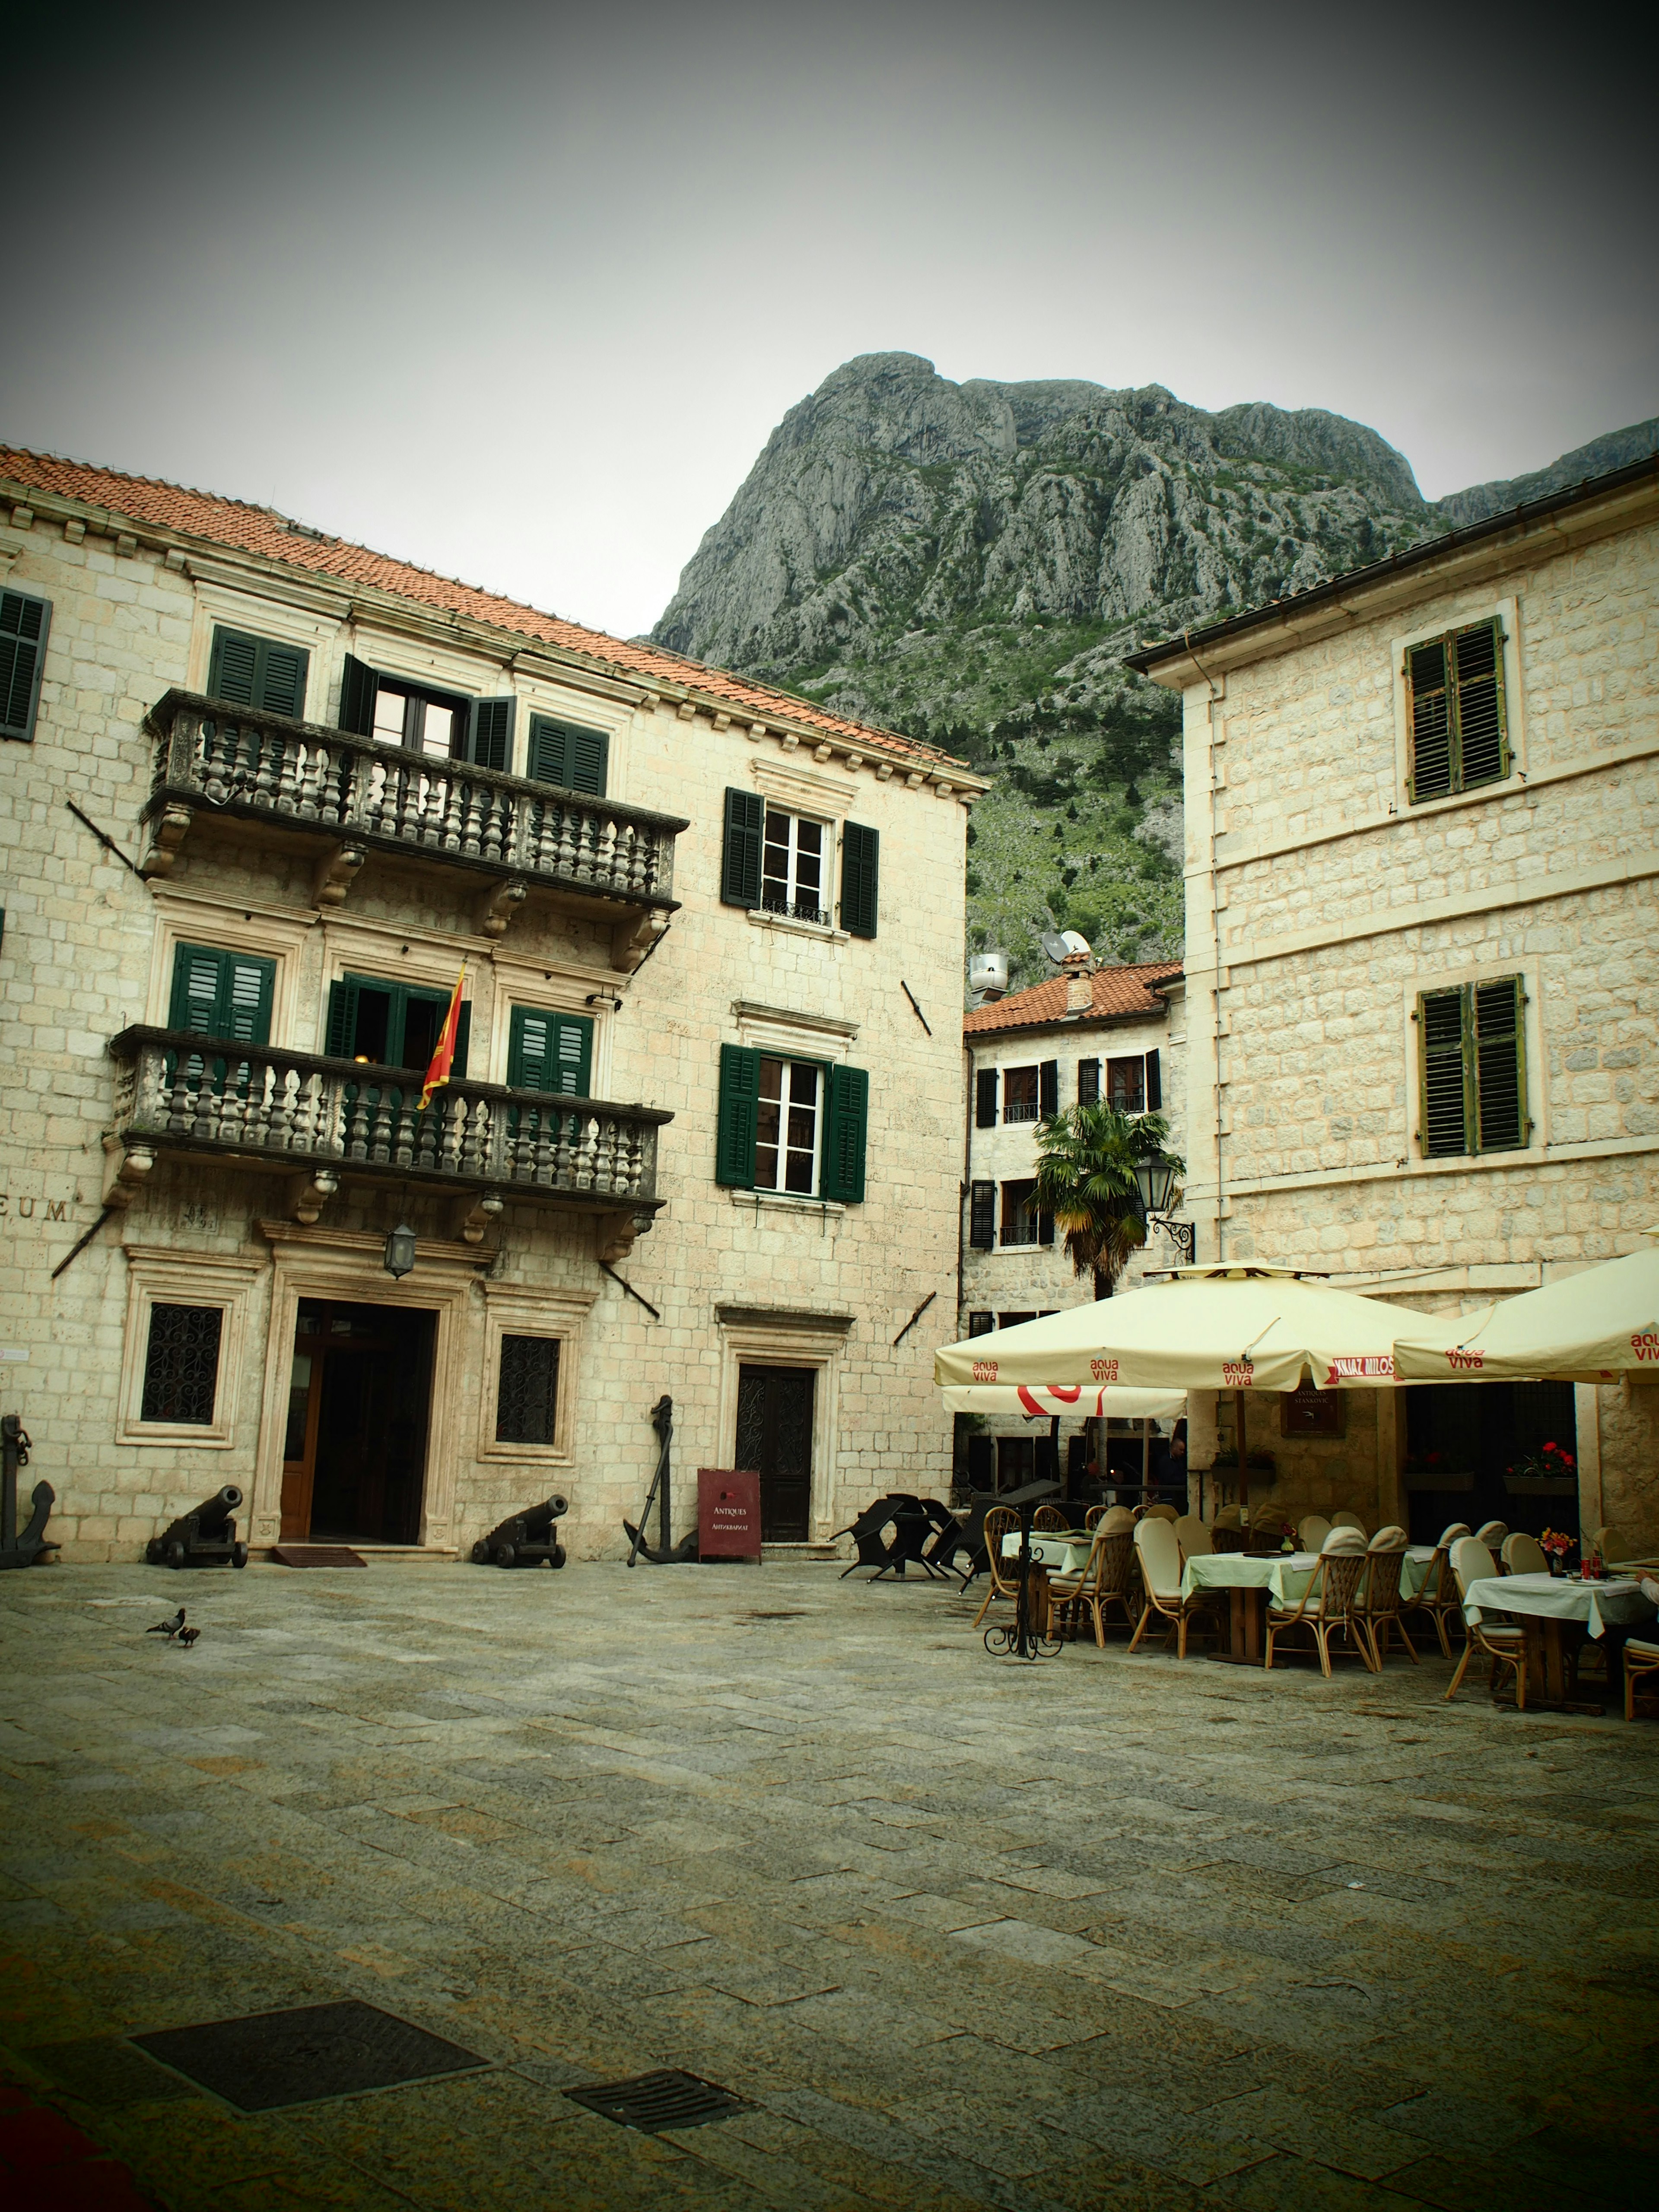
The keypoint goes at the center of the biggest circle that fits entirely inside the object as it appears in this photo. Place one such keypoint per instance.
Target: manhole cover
(651, 2102)
(294, 2058)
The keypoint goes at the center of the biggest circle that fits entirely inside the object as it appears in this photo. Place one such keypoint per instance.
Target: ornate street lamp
(399, 1250)
(1158, 1180)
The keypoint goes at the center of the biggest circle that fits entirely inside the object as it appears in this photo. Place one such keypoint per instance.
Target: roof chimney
(1078, 968)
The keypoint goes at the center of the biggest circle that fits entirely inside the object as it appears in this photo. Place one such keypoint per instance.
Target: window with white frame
(792, 863)
(787, 1126)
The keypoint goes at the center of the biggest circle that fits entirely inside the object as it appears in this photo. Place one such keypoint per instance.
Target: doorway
(360, 1394)
(1463, 1439)
(774, 1436)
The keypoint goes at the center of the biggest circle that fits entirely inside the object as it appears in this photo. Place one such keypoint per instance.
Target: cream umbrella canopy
(997, 1399)
(1235, 1327)
(1588, 1328)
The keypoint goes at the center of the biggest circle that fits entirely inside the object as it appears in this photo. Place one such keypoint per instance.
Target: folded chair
(1377, 1608)
(1500, 1641)
(1438, 1594)
(1327, 1605)
(1159, 1554)
(869, 1535)
(948, 1538)
(1002, 1576)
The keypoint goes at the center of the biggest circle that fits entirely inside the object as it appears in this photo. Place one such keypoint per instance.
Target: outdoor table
(1249, 1578)
(1063, 1551)
(1540, 1603)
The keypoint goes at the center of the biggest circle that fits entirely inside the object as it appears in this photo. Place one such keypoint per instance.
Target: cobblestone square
(1097, 1931)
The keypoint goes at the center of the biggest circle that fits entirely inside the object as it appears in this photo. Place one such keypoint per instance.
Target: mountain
(967, 563)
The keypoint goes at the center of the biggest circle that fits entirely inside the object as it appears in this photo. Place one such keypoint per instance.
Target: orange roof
(1119, 992)
(262, 531)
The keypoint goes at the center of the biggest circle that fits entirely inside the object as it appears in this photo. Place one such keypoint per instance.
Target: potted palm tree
(1085, 1178)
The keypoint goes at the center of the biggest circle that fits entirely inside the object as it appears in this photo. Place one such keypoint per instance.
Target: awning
(998, 1400)
(1236, 1326)
(1594, 1327)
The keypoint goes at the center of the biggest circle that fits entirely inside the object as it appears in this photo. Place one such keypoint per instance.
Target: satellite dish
(1075, 940)
(1055, 946)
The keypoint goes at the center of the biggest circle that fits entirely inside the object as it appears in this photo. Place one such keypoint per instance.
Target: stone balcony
(348, 796)
(328, 1122)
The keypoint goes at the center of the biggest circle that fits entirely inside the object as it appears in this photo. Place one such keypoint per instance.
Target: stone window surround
(512, 1310)
(275, 933)
(550, 987)
(1507, 611)
(162, 1275)
(782, 1339)
(1449, 976)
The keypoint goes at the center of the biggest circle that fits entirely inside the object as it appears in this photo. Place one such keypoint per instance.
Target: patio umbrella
(1588, 1327)
(1234, 1326)
(997, 1399)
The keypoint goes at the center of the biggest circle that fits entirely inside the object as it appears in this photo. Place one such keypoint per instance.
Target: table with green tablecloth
(1063, 1551)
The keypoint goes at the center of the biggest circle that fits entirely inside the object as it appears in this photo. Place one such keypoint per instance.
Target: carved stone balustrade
(356, 796)
(326, 1122)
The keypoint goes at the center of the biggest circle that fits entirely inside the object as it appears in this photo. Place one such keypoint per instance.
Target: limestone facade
(1323, 899)
(797, 1281)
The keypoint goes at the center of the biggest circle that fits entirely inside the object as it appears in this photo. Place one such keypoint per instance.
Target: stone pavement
(963, 1932)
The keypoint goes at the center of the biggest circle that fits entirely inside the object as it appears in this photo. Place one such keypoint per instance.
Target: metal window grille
(181, 1364)
(527, 1400)
(1020, 1094)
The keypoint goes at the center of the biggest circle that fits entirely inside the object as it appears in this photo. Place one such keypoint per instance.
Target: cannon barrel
(538, 1519)
(212, 1515)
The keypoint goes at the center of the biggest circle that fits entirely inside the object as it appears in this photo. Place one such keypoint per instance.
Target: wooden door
(774, 1437)
(355, 1457)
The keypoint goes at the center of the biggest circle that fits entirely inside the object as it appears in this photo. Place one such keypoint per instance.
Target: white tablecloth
(1560, 1597)
(1060, 1554)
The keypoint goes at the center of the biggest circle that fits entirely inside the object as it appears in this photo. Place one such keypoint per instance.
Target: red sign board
(728, 1513)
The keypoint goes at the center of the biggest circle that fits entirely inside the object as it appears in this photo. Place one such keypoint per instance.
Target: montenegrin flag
(444, 1058)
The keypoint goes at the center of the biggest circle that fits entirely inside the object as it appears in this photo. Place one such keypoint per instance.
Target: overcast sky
(520, 292)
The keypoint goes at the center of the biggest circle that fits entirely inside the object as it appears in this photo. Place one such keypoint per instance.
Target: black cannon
(26, 1548)
(203, 1537)
(525, 1539)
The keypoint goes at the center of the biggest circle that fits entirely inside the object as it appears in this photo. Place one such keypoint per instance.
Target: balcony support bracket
(336, 872)
(632, 941)
(167, 832)
(615, 1233)
(308, 1194)
(492, 913)
(476, 1213)
(127, 1168)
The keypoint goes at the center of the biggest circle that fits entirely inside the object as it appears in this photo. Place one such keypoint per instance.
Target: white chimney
(1078, 968)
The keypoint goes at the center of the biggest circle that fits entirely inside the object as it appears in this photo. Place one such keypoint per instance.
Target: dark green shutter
(1048, 1089)
(24, 624)
(463, 1038)
(860, 853)
(1429, 700)
(1443, 1018)
(985, 1098)
(1088, 1082)
(1154, 1084)
(221, 994)
(565, 753)
(1045, 1228)
(982, 1216)
(257, 671)
(233, 668)
(846, 1108)
(1500, 1067)
(283, 680)
(550, 1052)
(739, 1101)
(1482, 738)
(342, 1019)
(740, 860)
(490, 734)
(358, 685)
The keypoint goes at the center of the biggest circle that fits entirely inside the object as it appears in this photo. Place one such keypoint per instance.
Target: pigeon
(169, 1628)
(187, 1637)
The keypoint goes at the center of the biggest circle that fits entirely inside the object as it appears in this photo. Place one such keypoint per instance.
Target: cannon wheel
(481, 1553)
(153, 1551)
(173, 1554)
(239, 1555)
(558, 1555)
(504, 1555)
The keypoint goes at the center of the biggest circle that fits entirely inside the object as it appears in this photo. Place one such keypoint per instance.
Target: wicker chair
(1502, 1642)
(1162, 1512)
(1641, 1658)
(1002, 1576)
(1227, 1531)
(1633, 1546)
(1328, 1604)
(1049, 1518)
(1158, 1552)
(1346, 1517)
(1193, 1536)
(1378, 1607)
(1491, 1535)
(1104, 1582)
(1311, 1531)
(1096, 1513)
(1437, 1593)
(1522, 1555)
(1266, 1528)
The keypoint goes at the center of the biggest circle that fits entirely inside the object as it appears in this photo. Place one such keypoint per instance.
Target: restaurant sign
(1360, 1368)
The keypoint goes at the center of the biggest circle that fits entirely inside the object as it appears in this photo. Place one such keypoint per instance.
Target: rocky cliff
(969, 562)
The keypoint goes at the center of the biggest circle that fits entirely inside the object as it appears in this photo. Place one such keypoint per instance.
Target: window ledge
(786, 1201)
(765, 919)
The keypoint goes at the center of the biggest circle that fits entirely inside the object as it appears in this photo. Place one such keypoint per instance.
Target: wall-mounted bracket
(336, 872)
(492, 913)
(167, 832)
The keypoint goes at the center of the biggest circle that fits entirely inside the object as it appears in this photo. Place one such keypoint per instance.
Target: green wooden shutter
(1430, 700)
(740, 860)
(1443, 1019)
(196, 977)
(1154, 1084)
(550, 1052)
(234, 668)
(1500, 1085)
(257, 671)
(1483, 753)
(283, 678)
(1048, 1089)
(341, 1038)
(847, 1110)
(860, 853)
(1088, 1084)
(463, 1039)
(549, 758)
(221, 994)
(982, 1216)
(985, 1098)
(489, 734)
(739, 1102)
(358, 684)
(24, 624)
(590, 755)
(566, 754)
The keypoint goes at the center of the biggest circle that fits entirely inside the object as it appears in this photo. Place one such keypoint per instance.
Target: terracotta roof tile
(260, 530)
(1118, 991)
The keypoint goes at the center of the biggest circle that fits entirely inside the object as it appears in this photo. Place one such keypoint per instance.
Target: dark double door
(354, 1464)
(1467, 1436)
(775, 1438)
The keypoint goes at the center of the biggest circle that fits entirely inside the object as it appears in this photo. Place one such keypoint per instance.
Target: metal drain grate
(651, 2102)
(272, 2059)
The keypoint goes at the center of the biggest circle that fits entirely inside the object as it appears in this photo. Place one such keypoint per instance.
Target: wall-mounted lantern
(399, 1250)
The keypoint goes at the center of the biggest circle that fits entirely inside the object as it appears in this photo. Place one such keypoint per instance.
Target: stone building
(1421, 979)
(265, 796)
(1117, 1034)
